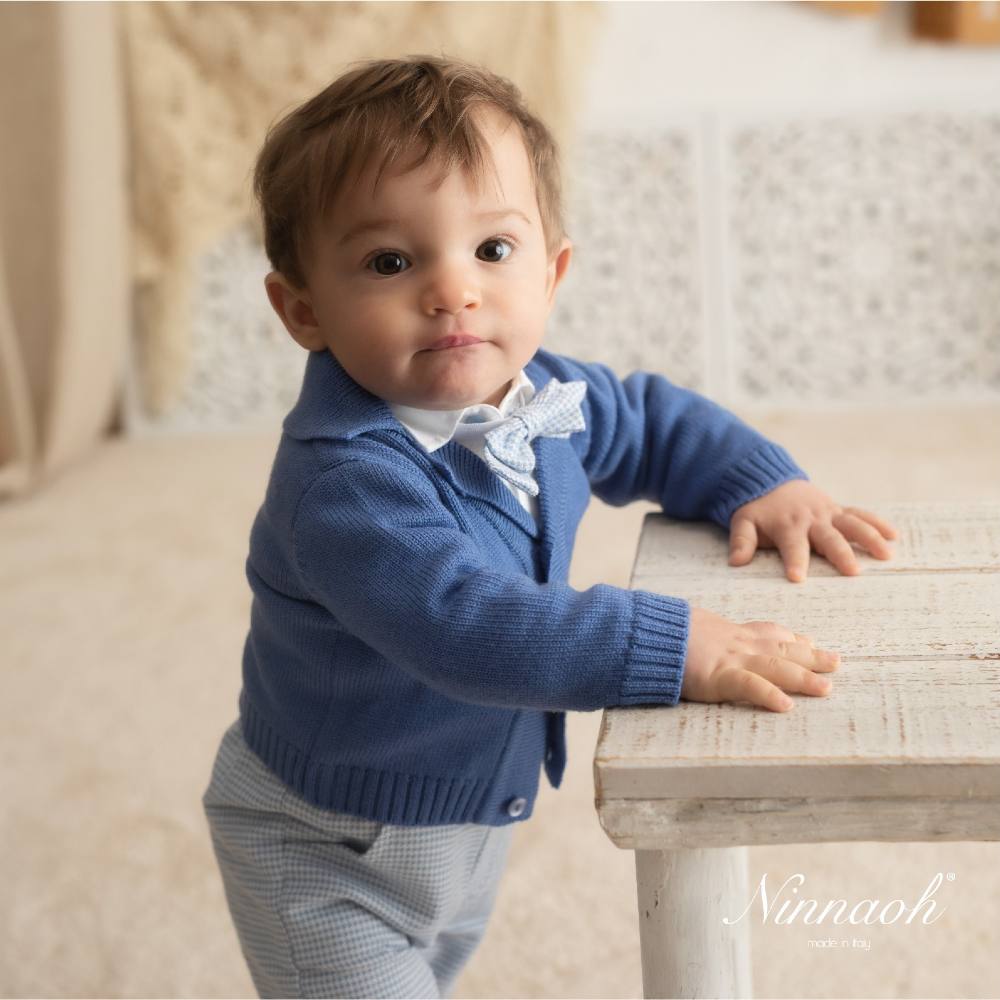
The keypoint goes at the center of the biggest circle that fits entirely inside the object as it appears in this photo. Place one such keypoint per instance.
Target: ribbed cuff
(759, 473)
(654, 665)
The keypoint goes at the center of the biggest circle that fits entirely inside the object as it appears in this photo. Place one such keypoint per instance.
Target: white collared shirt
(468, 426)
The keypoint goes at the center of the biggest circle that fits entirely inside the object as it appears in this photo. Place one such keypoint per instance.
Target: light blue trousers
(331, 905)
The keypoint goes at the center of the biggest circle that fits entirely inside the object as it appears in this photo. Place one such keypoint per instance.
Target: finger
(803, 653)
(787, 674)
(738, 685)
(742, 542)
(794, 546)
(828, 541)
(864, 534)
(771, 630)
(775, 638)
(774, 631)
(887, 529)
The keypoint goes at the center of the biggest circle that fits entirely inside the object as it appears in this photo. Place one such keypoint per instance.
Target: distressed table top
(914, 714)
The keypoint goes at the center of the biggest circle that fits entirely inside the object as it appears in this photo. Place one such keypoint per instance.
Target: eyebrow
(374, 225)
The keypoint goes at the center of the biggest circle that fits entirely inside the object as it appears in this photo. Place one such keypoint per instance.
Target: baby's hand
(794, 516)
(751, 662)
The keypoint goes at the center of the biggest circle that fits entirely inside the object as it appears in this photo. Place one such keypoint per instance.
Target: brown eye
(494, 256)
(387, 263)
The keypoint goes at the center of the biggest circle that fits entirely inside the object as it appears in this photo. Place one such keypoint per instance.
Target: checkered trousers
(326, 904)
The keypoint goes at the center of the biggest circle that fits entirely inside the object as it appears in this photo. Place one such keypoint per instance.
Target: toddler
(413, 643)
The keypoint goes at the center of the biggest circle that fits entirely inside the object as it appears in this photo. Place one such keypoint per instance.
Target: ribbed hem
(654, 665)
(384, 796)
(759, 473)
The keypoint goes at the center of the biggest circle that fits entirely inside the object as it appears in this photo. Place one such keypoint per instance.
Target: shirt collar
(434, 428)
(332, 405)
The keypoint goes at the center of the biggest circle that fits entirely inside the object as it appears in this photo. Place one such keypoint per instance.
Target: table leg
(687, 951)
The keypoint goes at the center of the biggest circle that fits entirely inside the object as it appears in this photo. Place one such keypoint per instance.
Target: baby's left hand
(796, 513)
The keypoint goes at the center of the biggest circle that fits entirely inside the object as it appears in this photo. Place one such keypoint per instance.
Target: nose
(451, 287)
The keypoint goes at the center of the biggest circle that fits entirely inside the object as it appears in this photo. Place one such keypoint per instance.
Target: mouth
(454, 340)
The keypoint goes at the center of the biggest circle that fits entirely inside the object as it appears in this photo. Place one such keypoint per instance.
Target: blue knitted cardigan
(414, 644)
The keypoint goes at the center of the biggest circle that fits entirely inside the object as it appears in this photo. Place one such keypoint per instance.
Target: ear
(295, 310)
(557, 270)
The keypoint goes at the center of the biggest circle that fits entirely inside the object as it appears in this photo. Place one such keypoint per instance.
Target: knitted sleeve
(648, 439)
(376, 547)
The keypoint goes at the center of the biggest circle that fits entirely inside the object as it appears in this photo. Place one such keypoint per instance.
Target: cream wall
(656, 57)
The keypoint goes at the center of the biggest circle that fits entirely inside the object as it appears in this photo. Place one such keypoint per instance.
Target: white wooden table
(906, 747)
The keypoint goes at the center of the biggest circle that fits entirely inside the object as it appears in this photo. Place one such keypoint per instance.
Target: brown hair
(391, 106)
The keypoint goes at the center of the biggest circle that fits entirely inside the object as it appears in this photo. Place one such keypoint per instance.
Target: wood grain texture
(661, 824)
(913, 717)
(933, 536)
(873, 616)
(889, 728)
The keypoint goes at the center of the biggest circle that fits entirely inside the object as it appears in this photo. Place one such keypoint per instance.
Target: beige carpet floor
(123, 609)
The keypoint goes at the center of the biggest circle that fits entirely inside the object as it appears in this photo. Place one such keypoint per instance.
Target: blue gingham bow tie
(553, 412)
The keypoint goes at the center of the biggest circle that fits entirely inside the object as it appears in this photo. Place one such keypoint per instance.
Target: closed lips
(454, 340)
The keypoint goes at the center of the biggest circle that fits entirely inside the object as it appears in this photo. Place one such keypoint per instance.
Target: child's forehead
(378, 187)
(408, 190)
(428, 171)
(504, 174)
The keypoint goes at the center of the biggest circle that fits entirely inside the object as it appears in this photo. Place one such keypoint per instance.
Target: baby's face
(435, 262)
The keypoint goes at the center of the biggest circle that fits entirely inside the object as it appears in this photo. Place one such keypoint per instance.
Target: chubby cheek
(525, 300)
(371, 320)
(531, 316)
(367, 306)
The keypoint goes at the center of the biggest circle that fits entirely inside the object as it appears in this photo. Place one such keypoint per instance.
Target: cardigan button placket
(516, 806)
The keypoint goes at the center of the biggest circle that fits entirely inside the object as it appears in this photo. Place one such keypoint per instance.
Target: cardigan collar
(332, 405)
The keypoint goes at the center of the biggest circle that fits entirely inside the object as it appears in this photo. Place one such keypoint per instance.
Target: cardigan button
(516, 806)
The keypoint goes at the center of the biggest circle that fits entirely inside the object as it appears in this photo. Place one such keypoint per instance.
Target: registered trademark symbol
(951, 876)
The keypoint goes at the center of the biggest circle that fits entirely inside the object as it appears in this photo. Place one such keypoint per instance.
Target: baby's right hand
(751, 662)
